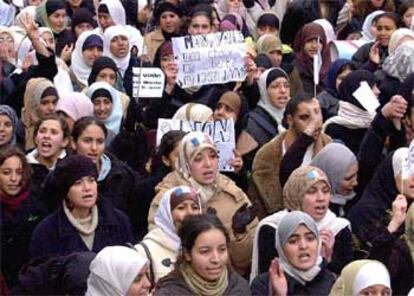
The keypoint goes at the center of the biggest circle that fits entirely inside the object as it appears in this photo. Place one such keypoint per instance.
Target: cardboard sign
(366, 97)
(222, 133)
(210, 59)
(150, 82)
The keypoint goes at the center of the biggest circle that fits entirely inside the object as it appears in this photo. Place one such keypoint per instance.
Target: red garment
(305, 62)
(11, 204)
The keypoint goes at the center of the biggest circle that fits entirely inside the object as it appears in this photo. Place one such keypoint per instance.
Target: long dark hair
(15, 151)
(82, 123)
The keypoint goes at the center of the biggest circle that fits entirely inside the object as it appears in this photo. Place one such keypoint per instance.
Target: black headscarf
(100, 64)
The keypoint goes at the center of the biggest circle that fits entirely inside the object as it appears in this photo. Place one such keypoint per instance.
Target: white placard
(366, 97)
(221, 131)
(152, 82)
(210, 59)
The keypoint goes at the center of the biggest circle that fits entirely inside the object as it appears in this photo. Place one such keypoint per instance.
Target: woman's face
(375, 290)
(102, 107)
(167, 63)
(141, 284)
(7, 45)
(316, 200)
(341, 76)
(83, 193)
(408, 16)
(279, 92)
(350, 181)
(204, 167)
(225, 111)
(199, 25)
(49, 39)
(169, 22)
(385, 28)
(47, 105)
(107, 75)
(69, 120)
(57, 19)
(105, 20)
(119, 46)
(75, 3)
(91, 54)
(50, 140)
(11, 176)
(91, 143)
(275, 57)
(312, 46)
(184, 209)
(6, 129)
(209, 255)
(234, 4)
(301, 248)
(82, 27)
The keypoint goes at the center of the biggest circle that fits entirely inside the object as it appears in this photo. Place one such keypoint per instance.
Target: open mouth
(88, 197)
(320, 209)
(304, 257)
(208, 175)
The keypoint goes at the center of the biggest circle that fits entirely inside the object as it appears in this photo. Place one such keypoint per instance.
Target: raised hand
(67, 52)
(328, 242)
(237, 161)
(32, 29)
(374, 54)
(277, 279)
(242, 217)
(399, 212)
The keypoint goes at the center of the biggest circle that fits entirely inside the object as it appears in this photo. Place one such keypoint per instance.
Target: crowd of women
(319, 199)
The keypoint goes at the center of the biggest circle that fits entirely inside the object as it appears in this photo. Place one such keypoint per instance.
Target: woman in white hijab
(88, 48)
(117, 46)
(118, 271)
(369, 30)
(363, 277)
(162, 245)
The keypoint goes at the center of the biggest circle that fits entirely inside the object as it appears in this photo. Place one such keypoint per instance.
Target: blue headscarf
(333, 72)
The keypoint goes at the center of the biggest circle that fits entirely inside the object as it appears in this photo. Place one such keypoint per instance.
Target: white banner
(210, 59)
(222, 133)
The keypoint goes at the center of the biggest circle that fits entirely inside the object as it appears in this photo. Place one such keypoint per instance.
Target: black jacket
(16, 232)
(55, 235)
(351, 138)
(320, 285)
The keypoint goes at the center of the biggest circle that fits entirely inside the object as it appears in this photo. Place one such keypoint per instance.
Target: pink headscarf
(75, 105)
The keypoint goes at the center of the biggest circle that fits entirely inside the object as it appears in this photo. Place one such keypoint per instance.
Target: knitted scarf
(11, 204)
(202, 287)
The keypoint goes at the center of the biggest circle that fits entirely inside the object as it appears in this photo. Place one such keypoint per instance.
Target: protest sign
(366, 97)
(210, 59)
(150, 82)
(222, 133)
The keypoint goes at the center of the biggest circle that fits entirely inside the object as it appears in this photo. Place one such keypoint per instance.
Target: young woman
(11, 129)
(353, 120)
(363, 277)
(73, 106)
(198, 167)
(51, 137)
(20, 212)
(306, 46)
(40, 99)
(202, 266)
(83, 222)
(406, 10)
(265, 121)
(117, 46)
(52, 14)
(116, 180)
(342, 173)
(328, 98)
(299, 268)
(307, 190)
(88, 48)
(370, 56)
(162, 244)
(118, 271)
(107, 107)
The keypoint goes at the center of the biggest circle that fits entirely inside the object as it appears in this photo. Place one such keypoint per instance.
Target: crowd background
(319, 202)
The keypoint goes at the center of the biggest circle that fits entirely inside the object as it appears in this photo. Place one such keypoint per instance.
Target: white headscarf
(397, 37)
(116, 11)
(327, 28)
(366, 26)
(113, 122)
(265, 102)
(113, 271)
(109, 34)
(79, 67)
(163, 216)
(193, 112)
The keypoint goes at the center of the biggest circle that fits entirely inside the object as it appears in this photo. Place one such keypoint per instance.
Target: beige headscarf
(30, 115)
(190, 146)
(359, 275)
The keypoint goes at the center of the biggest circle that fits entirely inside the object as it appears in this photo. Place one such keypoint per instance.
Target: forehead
(279, 80)
(305, 106)
(6, 34)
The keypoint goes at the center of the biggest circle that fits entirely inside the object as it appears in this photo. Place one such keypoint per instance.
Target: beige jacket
(228, 199)
(152, 41)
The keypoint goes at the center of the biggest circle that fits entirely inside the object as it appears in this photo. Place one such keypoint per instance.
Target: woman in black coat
(20, 212)
(83, 222)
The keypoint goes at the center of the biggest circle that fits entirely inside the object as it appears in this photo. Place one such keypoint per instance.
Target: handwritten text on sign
(151, 84)
(210, 59)
(222, 133)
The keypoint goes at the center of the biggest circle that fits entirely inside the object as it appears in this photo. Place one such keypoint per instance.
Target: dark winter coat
(55, 235)
(174, 284)
(361, 57)
(16, 232)
(320, 285)
(351, 138)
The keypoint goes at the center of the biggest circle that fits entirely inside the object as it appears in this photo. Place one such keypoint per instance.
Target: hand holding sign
(366, 97)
